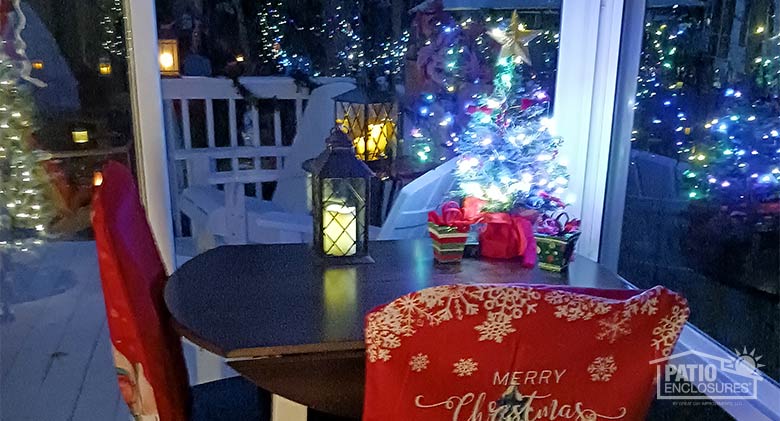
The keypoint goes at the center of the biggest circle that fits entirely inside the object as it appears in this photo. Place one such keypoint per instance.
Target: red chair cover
(518, 352)
(147, 352)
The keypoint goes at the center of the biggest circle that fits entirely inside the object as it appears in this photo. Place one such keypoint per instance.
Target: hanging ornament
(514, 40)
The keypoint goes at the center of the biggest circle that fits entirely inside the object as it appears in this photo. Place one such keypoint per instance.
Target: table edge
(286, 350)
(266, 351)
(191, 336)
(308, 348)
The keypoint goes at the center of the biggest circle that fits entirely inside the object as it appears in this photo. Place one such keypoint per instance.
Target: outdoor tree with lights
(26, 209)
(663, 101)
(738, 159)
(270, 22)
(444, 61)
(23, 182)
(507, 151)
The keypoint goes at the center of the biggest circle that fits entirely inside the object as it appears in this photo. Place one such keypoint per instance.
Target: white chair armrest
(284, 221)
(299, 223)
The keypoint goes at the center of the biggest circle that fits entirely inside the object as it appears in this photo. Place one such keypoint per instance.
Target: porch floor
(54, 349)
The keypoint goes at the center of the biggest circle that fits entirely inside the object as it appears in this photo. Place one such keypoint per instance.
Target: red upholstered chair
(518, 352)
(147, 352)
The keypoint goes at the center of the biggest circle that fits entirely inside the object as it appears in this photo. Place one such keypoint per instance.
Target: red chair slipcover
(518, 352)
(147, 352)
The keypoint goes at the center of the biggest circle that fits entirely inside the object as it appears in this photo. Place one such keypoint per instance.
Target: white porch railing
(215, 137)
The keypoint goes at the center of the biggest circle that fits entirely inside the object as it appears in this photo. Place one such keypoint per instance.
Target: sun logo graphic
(746, 363)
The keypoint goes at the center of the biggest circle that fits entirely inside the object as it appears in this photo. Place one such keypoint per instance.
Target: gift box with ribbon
(449, 231)
(556, 238)
(503, 235)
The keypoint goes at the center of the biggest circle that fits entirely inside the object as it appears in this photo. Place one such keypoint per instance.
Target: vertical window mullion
(623, 123)
(148, 125)
(588, 60)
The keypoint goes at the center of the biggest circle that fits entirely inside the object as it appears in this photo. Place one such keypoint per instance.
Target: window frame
(585, 100)
(598, 61)
(767, 406)
(148, 125)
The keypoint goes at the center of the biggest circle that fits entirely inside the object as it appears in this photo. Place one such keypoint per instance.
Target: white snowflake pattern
(602, 369)
(433, 306)
(613, 328)
(667, 331)
(419, 362)
(515, 302)
(576, 306)
(465, 367)
(644, 303)
(502, 305)
(495, 327)
(385, 338)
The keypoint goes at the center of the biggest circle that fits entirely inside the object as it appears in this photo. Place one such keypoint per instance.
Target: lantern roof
(339, 160)
(364, 95)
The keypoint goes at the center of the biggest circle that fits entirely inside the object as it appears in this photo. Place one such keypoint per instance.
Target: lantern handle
(338, 139)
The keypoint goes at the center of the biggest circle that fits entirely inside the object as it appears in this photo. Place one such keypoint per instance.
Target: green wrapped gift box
(448, 243)
(554, 252)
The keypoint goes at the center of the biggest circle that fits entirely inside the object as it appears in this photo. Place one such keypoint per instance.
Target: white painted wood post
(235, 213)
(208, 366)
(171, 139)
(148, 124)
(283, 409)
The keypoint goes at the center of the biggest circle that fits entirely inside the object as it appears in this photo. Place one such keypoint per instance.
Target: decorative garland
(301, 79)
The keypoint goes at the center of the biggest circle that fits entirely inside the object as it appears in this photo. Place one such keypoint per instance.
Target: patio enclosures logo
(694, 375)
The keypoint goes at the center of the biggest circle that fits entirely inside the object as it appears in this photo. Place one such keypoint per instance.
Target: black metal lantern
(340, 202)
(370, 117)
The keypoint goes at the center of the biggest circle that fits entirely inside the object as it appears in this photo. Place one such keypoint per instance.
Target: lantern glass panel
(372, 128)
(343, 216)
(169, 57)
(105, 69)
(80, 136)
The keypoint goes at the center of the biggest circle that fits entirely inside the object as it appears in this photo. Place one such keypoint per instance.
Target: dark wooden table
(295, 328)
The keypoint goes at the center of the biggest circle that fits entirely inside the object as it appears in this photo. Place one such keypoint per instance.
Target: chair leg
(286, 410)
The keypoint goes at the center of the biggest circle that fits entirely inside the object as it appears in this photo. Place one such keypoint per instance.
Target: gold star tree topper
(514, 40)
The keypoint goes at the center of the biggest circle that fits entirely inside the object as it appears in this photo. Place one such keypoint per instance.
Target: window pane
(64, 111)
(252, 135)
(703, 199)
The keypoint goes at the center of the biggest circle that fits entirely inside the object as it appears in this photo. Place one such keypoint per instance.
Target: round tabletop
(263, 300)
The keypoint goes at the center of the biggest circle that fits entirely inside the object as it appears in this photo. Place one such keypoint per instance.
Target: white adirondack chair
(408, 218)
(228, 216)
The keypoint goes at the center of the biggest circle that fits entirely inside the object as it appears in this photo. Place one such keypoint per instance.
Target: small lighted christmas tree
(508, 153)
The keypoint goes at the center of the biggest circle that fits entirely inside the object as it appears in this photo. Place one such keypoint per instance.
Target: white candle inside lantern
(339, 232)
(378, 136)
